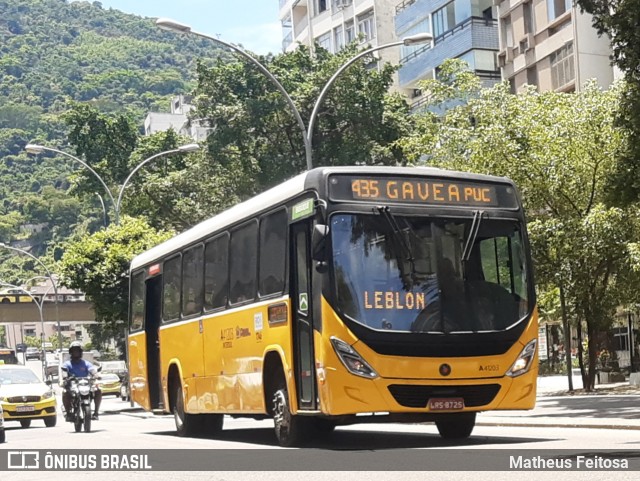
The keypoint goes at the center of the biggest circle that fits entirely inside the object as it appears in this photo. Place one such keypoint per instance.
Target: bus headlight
(353, 361)
(523, 363)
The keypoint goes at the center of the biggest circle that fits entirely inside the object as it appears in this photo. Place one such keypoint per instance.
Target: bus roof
(282, 192)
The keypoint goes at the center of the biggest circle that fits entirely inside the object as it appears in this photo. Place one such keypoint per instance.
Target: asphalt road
(139, 430)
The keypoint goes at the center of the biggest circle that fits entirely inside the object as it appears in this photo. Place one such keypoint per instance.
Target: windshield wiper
(399, 239)
(473, 233)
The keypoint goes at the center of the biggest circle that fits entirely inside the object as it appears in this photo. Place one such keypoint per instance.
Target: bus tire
(186, 424)
(288, 427)
(456, 426)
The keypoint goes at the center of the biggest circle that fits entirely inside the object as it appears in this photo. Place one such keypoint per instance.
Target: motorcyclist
(79, 368)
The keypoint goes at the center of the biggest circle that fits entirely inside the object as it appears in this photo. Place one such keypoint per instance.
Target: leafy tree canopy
(560, 149)
(254, 131)
(98, 264)
(619, 19)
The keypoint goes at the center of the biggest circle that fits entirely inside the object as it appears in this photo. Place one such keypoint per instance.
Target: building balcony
(472, 33)
(409, 11)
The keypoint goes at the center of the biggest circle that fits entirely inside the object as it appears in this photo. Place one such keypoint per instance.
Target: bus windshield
(414, 274)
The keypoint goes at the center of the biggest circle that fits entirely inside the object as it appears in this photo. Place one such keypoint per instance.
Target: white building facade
(335, 23)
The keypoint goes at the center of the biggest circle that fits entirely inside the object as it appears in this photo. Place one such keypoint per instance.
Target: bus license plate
(446, 404)
(25, 409)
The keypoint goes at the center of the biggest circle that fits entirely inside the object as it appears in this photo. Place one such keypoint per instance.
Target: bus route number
(446, 404)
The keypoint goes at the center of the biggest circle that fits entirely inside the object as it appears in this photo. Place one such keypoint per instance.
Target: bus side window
(171, 289)
(216, 273)
(192, 281)
(273, 252)
(242, 266)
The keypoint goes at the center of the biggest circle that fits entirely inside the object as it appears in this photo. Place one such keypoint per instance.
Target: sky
(252, 23)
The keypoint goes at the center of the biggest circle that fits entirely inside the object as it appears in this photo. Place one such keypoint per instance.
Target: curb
(559, 425)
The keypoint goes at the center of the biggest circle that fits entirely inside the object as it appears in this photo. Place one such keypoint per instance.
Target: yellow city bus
(344, 295)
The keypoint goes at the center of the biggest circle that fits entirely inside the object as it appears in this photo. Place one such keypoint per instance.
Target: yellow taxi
(24, 397)
(109, 383)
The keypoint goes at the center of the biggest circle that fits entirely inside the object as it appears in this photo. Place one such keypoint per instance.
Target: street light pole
(173, 26)
(307, 132)
(55, 287)
(182, 148)
(411, 40)
(36, 149)
(39, 306)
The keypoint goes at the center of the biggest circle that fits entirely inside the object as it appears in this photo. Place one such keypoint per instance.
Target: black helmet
(74, 344)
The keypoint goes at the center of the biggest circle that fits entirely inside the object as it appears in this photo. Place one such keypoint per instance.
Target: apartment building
(550, 44)
(336, 23)
(465, 29)
(177, 119)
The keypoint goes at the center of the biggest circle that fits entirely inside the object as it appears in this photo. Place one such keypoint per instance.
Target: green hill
(52, 55)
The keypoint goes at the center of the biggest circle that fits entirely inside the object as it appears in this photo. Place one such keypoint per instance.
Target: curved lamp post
(37, 149)
(410, 40)
(49, 275)
(173, 26)
(307, 132)
(182, 148)
(39, 306)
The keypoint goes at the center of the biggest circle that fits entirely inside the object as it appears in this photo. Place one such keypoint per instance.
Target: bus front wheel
(456, 426)
(288, 427)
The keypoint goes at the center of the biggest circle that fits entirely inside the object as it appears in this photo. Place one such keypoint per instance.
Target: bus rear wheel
(456, 426)
(186, 424)
(288, 427)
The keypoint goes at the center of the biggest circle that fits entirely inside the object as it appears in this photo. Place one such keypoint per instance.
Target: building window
(527, 15)
(562, 68)
(338, 39)
(321, 6)
(507, 32)
(555, 8)
(349, 32)
(366, 26)
(324, 41)
(444, 19)
(532, 76)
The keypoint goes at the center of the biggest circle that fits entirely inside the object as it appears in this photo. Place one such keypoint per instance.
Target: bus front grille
(416, 396)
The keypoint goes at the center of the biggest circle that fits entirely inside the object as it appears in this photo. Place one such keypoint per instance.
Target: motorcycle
(82, 393)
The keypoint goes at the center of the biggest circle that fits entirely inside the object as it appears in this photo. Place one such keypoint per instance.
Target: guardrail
(403, 5)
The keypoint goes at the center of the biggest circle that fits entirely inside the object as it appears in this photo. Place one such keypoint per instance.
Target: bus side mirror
(319, 246)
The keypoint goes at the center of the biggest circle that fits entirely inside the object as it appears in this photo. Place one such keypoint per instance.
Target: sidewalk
(612, 406)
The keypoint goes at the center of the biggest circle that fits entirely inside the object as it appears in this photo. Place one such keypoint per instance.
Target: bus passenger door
(302, 313)
(151, 327)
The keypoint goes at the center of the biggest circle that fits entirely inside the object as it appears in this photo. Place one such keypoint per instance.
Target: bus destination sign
(420, 190)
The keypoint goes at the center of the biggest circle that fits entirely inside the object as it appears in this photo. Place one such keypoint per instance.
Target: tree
(254, 132)
(619, 20)
(98, 264)
(559, 149)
